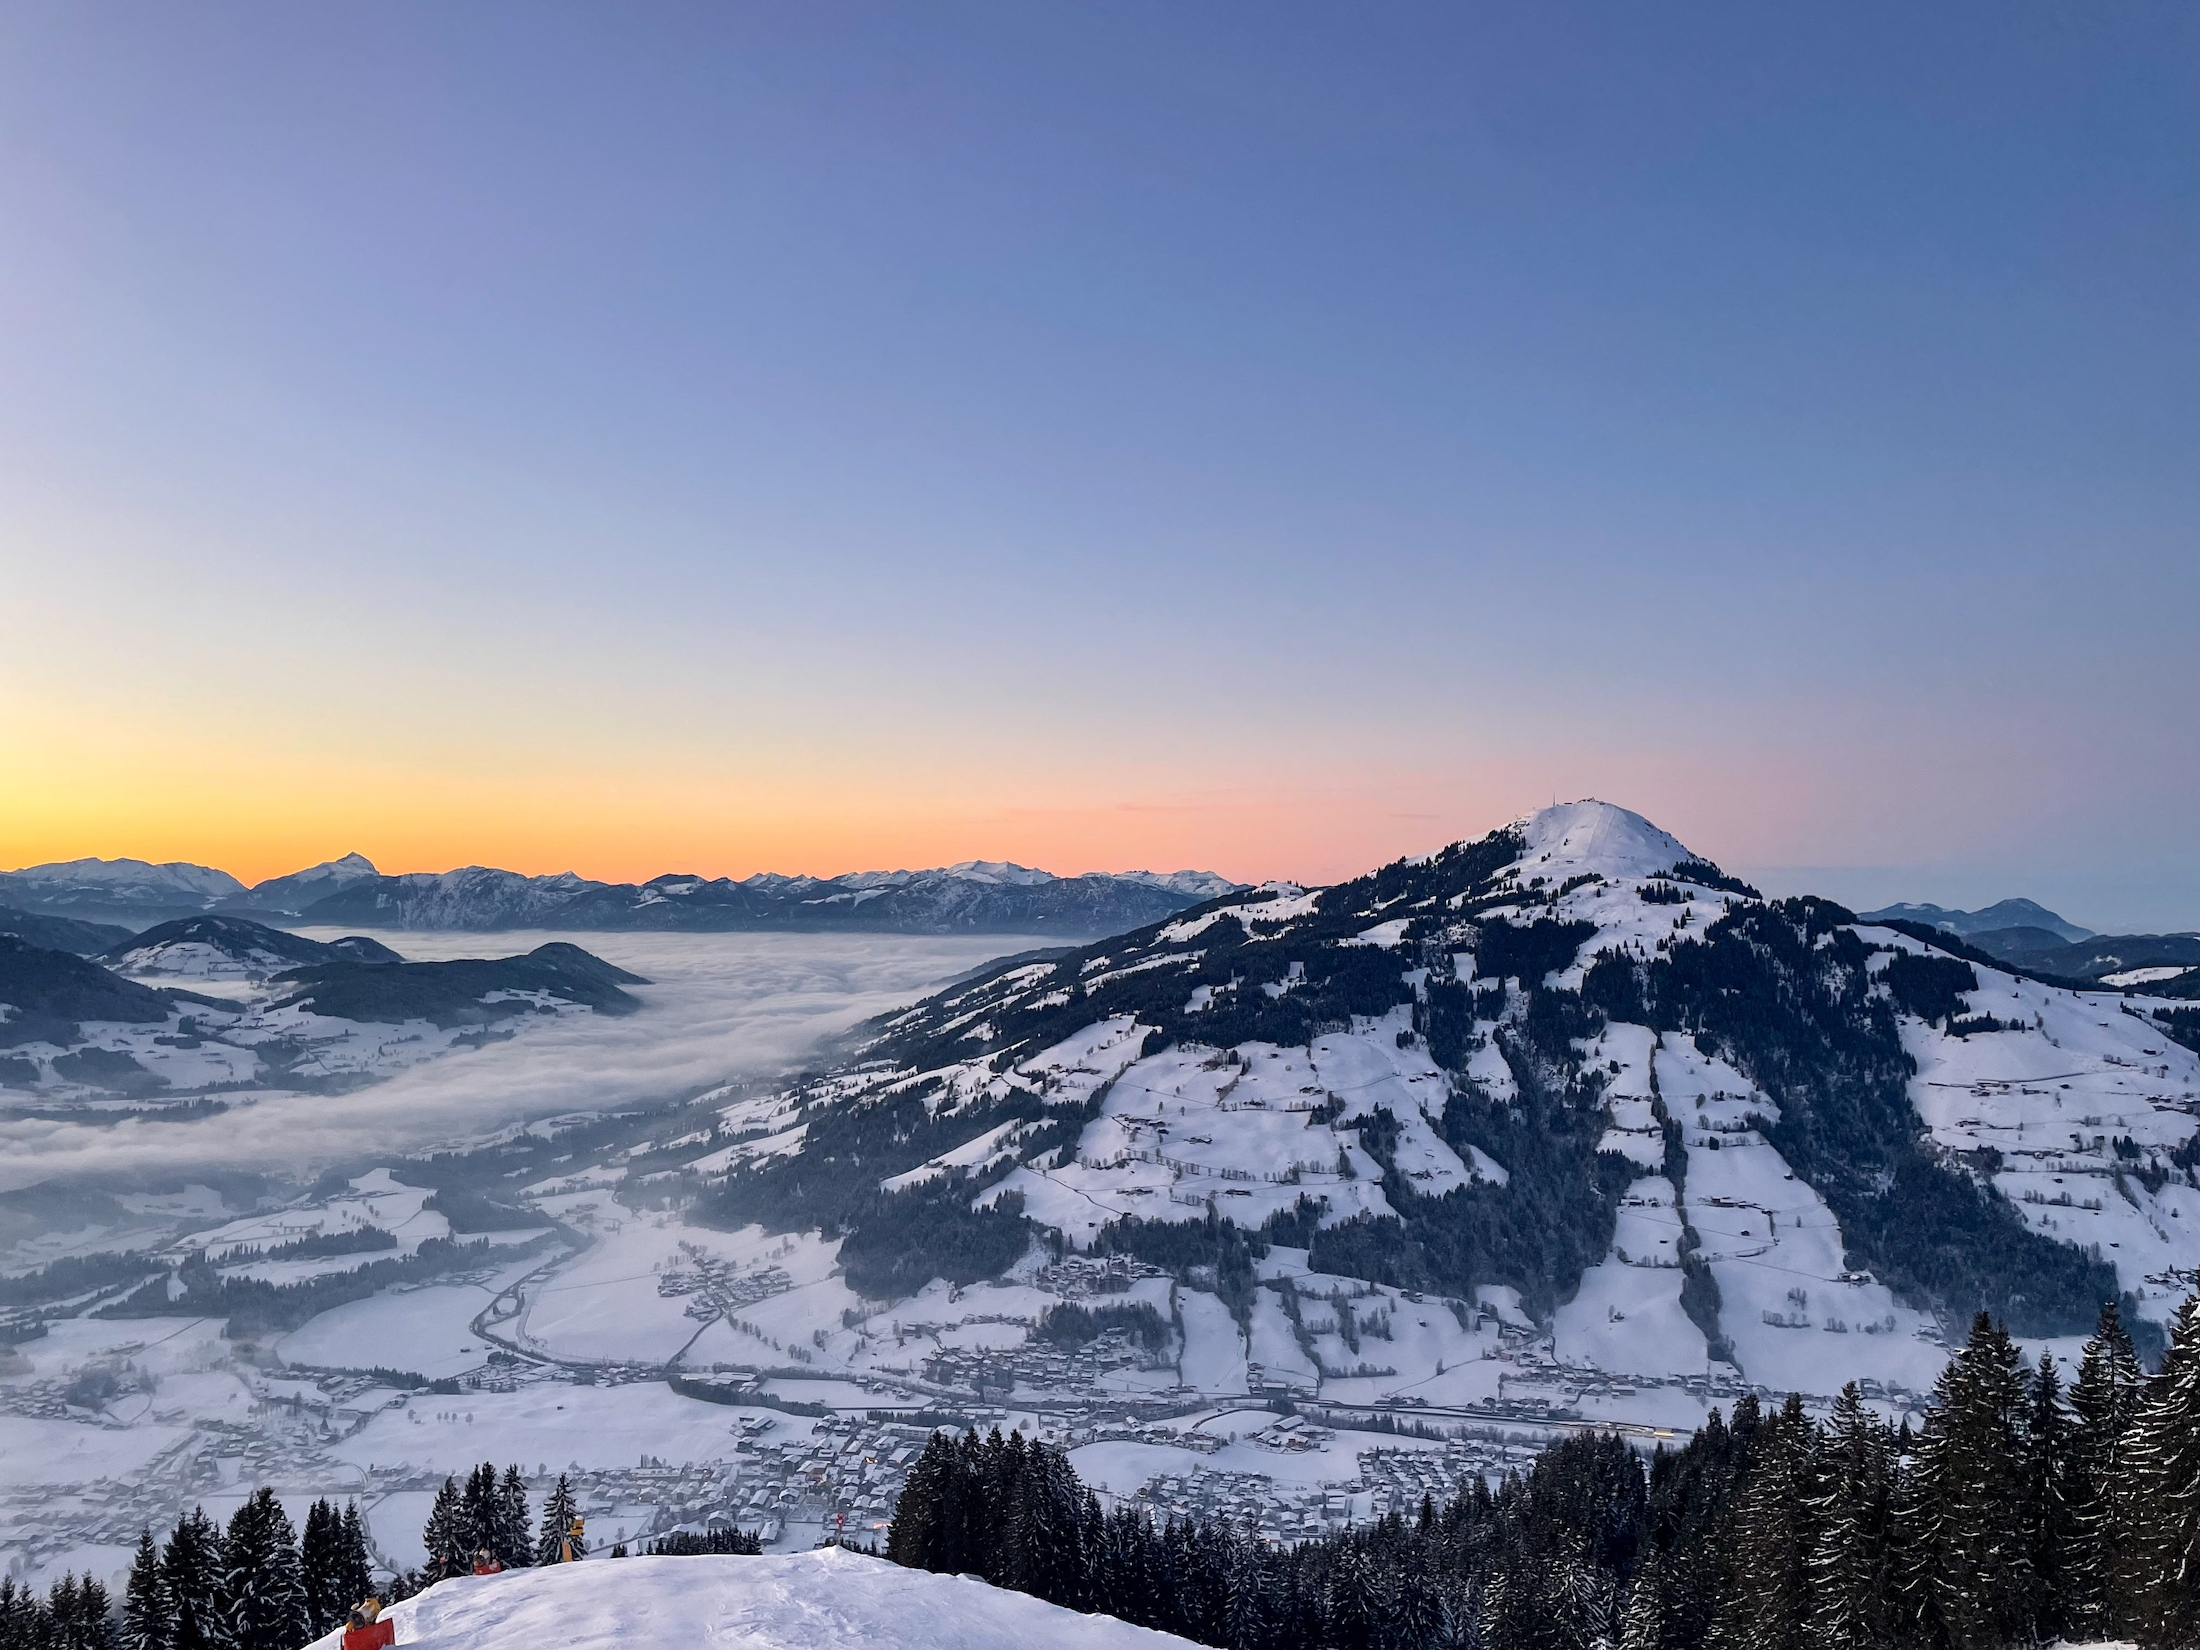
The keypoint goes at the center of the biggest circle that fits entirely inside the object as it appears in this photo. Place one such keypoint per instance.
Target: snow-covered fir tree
(557, 1540)
(192, 1567)
(2161, 1530)
(511, 1535)
(264, 1593)
(146, 1612)
(1852, 1511)
(448, 1534)
(1971, 1576)
(2103, 1400)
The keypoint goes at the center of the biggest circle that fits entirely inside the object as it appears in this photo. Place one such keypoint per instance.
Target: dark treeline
(719, 1540)
(251, 1586)
(259, 1585)
(255, 1306)
(2019, 1514)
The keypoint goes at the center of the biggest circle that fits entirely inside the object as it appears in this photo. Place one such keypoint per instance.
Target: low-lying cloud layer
(721, 1006)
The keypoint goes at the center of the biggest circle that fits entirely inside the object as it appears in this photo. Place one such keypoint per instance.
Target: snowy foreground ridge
(828, 1599)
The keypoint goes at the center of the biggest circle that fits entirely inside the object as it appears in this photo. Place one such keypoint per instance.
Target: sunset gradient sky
(1270, 439)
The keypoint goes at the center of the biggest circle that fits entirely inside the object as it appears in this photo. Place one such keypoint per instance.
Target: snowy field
(824, 1600)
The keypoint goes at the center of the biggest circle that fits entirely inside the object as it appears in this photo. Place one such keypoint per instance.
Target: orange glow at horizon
(259, 812)
(264, 793)
(546, 827)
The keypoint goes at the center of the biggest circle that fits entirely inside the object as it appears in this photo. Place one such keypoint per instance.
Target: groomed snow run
(827, 1599)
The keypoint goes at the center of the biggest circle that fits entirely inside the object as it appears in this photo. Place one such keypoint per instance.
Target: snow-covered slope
(177, 876)
(829, 1599)
(129, 891)
(233, 948)
(1572, 1070)
(300, 889)
(1595, 838)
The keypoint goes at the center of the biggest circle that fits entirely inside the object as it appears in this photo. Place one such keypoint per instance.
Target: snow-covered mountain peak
(178, 875)
(999, 870)
(1196, 884)
(301, 888)
(1575, 838)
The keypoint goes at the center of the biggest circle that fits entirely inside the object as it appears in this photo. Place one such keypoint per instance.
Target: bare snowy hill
(829, 1599)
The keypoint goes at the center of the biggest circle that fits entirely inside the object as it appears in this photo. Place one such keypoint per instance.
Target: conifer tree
(1769, 1548)
(2046, 1496)
(556, 1542)
(20, 1627)
(1040, 1539)
(354, 1563)
(1353, 1618)
(2103, 1400)
(61, 1615)
(479, 1510)
(1976, 1567)
(1418, 1620)
(95, 1624)
(2162, 1533)
(1576, 1596)
(74, 1617)
(513, 1541)
(265, 1594)
(1247, 1623)
(1642, 1618)
(191, 1565)
(447, 1535)
(914, 1535)
(1851, 1574)
(319, 1555)
(1511, 1611)
(146, 1623)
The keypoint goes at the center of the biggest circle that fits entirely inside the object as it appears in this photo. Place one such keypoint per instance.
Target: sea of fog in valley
(719, 1007)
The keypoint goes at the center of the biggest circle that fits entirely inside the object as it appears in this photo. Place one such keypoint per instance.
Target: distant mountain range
(977, 896)
(2004, 914)
(2035, 939)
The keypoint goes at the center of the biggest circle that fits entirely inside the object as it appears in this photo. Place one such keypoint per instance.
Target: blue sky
(1275, 438)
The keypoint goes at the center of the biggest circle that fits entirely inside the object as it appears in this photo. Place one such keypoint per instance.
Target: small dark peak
(359, 948)
(72, 934)
(569, 959)
(52, 991)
